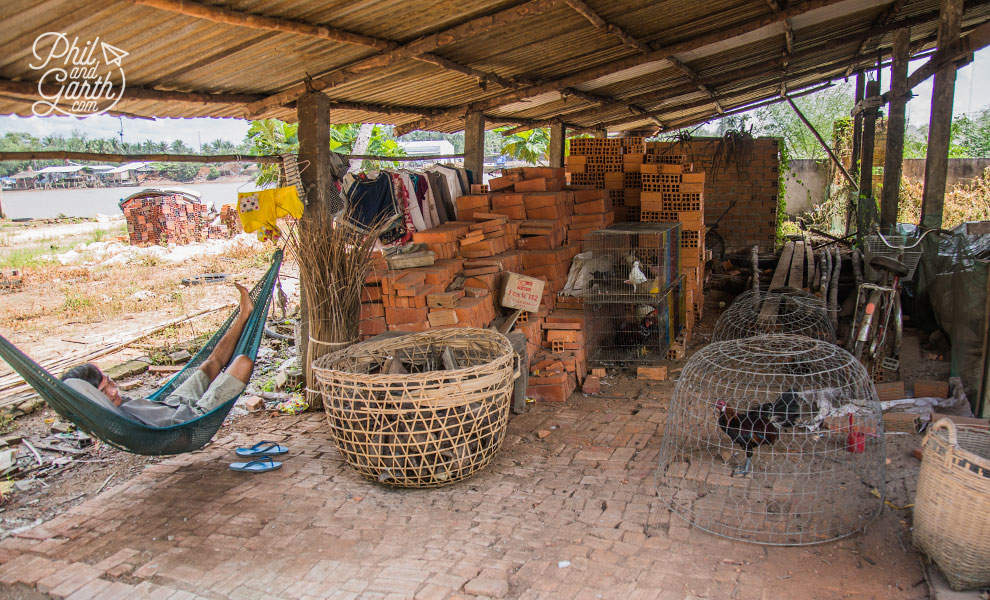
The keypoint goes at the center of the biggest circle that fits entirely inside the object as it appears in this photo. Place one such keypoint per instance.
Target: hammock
(129, 434)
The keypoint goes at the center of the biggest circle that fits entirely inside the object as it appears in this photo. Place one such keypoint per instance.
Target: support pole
(828, 149)
(474, 145)
(939, 128)
(857, 141)
(866, 205)
(313, 111)
(893, 162)
(558, 139)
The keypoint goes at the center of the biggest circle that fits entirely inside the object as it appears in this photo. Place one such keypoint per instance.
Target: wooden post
(857, 141)
(558, 142)
(824, 144)
(313, 111)
(601, 132)
(939, 128)
(474, 145)
(893, 162)
(865, 207)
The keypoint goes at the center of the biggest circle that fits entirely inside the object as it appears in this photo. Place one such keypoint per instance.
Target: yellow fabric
(260, 210)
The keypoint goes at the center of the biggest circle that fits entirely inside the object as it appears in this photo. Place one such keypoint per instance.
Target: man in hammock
(207, 388)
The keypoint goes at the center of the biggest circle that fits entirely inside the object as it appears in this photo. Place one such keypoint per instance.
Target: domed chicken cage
(778, 311)
(420, 410)
(774, 439)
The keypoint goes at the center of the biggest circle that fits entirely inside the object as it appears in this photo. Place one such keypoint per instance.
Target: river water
(87, 202)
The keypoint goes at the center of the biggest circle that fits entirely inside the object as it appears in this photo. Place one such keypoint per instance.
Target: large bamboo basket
(430, 427)
(952, 507)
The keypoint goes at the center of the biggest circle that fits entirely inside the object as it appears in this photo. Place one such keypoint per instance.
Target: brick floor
(571, 516)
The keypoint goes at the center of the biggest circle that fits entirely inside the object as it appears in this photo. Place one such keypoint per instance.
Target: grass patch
(75, 302)
(21, 258)
(98, 235)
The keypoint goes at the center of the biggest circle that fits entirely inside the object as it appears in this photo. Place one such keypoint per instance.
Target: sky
(972, 94)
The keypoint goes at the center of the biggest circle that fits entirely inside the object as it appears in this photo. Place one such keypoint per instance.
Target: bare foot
(246, 304)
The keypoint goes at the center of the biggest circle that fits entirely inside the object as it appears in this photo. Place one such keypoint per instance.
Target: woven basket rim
(944, 439)
(319, 365)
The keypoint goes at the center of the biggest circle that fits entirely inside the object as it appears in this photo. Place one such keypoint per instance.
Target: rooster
(751, 429)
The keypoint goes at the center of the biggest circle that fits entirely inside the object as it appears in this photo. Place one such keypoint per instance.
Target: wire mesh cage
(627, 333)
(780, 310)
(876, 247)
(774, 439)
(421, 410)
(633, 262)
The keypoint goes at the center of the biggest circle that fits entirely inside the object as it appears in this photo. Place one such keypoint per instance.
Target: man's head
(92, 375)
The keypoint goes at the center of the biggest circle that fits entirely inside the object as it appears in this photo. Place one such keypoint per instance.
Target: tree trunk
(361, 145)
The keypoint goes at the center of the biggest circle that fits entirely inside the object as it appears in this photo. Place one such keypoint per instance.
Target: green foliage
(79, 142)
(531, 146)
(213, 174)
(98, 234)
(179, 171)
(271, 136)
(345, 135)
(822, 109)
(969, 137)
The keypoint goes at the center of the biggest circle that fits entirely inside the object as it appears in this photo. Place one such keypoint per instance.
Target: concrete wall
(805, 179)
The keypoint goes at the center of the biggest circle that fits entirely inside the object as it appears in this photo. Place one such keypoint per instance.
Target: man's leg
(224, 350)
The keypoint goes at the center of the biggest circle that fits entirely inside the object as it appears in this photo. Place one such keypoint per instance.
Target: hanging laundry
(259, 211)
(373, 200)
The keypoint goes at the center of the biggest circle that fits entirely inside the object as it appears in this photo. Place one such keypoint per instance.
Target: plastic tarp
(952, 295)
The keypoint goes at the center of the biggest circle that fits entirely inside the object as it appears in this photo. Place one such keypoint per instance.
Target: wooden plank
(809, 255)
(939, 126)
(796, 277)
(896, 119)
(783, 266)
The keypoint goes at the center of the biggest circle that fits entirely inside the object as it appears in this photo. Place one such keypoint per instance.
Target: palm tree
(531, 146)
(271, 136)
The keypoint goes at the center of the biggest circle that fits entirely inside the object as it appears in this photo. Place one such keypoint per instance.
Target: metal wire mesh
(626, 333)
(633, 262)
(781, 310)
(805, 413)
(875, 247)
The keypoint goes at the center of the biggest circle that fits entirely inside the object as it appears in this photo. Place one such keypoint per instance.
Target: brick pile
(528, 221)
(165, 220)
(228, 223)
(672, 193)
(613, 165)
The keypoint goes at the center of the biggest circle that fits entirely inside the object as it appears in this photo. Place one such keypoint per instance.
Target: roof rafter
(621, 64)
(884, 18)
(227, 16)
(610, 28)
(418, 47)
(694, 77)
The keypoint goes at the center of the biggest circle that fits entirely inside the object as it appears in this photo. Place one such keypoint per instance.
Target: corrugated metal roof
(733, 48)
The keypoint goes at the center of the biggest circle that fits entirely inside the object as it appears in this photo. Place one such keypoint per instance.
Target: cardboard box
(522, 292)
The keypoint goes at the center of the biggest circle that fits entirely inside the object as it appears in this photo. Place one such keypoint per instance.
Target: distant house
(231, 168)
(126, 174)
(427, 147)
(25, 180)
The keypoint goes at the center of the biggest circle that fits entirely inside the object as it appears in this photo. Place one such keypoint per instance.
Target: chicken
(638, 335)
(751, 429)
(786, 410)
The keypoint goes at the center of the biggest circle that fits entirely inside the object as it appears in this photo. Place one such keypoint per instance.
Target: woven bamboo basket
(427, 428)
(951, 523)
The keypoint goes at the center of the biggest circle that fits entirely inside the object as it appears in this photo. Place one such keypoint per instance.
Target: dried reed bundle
(334, 260)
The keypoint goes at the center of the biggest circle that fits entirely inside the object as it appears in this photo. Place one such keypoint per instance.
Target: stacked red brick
(610, 164)
(229, 223)
(673, 194)
(526, 222)
(164, 220)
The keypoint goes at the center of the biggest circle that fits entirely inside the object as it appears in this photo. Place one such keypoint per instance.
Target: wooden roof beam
(693, 76)
(423, 45)
(586, 11)
(883, 18)
(227, 16)
(27, 91)
(658, 53)
(217, 14)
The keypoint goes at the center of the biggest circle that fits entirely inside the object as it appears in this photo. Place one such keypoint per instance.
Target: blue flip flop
(259, 465)
(262, 449)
